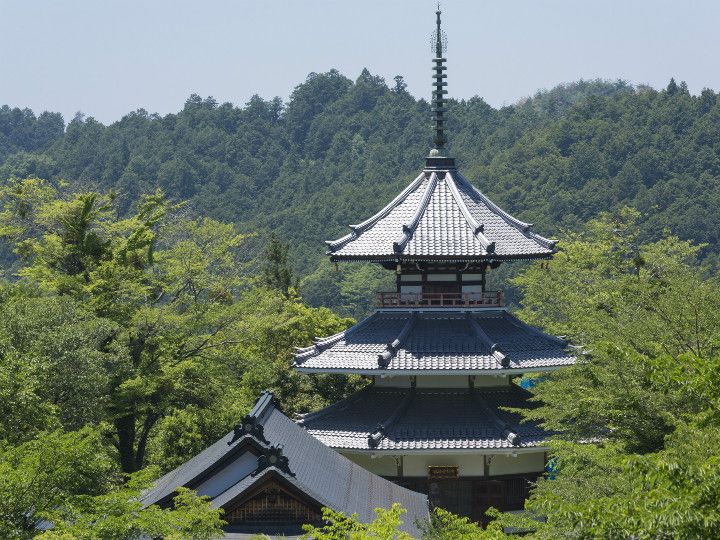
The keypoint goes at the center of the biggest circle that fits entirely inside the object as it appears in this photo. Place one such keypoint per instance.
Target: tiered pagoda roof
(436, 342)
(395, 419)
(440, 216)
(441, 235)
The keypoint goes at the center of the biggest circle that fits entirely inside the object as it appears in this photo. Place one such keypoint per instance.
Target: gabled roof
(321, 473)
(441, 216)
(393, 419)
(453, 342)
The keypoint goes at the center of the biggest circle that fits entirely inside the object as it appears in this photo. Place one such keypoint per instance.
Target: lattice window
(272, 505)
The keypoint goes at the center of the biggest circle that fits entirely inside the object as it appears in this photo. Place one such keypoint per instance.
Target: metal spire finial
(438, 102)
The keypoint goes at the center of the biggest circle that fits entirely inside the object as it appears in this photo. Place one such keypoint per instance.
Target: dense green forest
(159, 271)
(338, 150)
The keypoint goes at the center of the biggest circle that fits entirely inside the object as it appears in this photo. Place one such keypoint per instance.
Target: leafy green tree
(119, 515)
(636, 418)
(444, 525)
(645, 314)
(148, 322)
(43, 474)
(169, 297)
(54, 366)
(341, 527)
(67, 481)
(277, 273)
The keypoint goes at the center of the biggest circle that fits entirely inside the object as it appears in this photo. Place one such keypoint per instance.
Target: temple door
(487, 493)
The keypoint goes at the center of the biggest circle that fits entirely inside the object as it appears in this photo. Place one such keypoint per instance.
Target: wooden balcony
(487, 299)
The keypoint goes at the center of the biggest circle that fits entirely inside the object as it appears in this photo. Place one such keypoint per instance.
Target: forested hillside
(338, 150)
(136, 326)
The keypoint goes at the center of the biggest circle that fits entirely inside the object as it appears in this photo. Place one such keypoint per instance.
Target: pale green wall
(441, 381)
(468, 464)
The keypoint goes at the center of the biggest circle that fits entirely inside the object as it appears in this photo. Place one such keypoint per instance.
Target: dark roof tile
(440, 216)
(322, 473)
(434, 419)
(438, 340)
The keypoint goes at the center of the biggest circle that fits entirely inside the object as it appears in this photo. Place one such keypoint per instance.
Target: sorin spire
(438, 102)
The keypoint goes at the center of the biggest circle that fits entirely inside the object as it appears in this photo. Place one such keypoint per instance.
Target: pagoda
(441, 351)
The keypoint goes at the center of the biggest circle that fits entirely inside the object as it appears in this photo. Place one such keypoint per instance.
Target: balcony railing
(487, 299)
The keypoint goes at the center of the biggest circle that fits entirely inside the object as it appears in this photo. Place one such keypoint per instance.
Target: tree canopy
(338, 150)
(139, 338)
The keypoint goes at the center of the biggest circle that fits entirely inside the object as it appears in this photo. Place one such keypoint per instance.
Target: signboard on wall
(437, 472)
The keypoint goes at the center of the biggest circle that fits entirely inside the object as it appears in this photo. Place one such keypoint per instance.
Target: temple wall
(441, 381)
(523, 463)
(380, 465)
(468, 464)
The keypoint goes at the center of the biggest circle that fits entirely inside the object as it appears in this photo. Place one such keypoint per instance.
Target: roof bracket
(249, 425)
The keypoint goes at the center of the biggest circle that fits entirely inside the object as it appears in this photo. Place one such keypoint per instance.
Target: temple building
(271, 477)
(441, 351)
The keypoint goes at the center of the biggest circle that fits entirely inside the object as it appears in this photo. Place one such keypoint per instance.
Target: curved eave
(499, 372)
(530, 448)
(439, 258)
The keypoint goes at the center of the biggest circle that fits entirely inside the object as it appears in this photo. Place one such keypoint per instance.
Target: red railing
(405, 300)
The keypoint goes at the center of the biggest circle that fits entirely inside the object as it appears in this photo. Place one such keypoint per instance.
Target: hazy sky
(108, 57)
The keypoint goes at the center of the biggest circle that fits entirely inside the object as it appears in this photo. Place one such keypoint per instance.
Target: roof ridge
(303, 353)
(473, 223)
(361, 227)
(512, 319)
(495, 352)
(264, 404)
(511, 433)
(386, 356)
(380, 432)
(409, 228)
(512, 220)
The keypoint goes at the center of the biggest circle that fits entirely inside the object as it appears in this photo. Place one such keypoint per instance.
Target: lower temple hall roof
(269, 445)
(459, 342)
(407, 419)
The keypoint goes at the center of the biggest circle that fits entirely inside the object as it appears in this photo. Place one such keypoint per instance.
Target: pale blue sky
(108, 57)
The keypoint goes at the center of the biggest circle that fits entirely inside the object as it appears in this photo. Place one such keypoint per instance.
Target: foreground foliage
(69, 480)
(637, 418)
(147, 328)
(338, 526)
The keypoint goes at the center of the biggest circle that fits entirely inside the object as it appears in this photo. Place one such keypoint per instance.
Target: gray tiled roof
(426, 419)
(442, 340)
(440, 216)
(320, 472)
